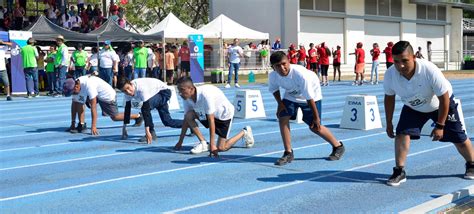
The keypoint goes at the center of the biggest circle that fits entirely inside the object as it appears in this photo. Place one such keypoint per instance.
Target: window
(383, 7)
(324, 5)
(306, 4)
(338, 5)
(431, 12)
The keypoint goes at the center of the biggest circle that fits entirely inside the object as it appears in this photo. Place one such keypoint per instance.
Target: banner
(18, 40)
(196, 47)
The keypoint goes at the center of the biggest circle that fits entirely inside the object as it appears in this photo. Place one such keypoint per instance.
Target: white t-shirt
(146, 88)
(93, 60)
(107, 58)
(92, 86)
(421, 91)
(210, 100)
(3, 63)
(234, 53)
(300, 84)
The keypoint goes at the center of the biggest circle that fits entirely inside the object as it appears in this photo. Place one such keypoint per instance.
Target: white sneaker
(248, 137)
(237, 85)
(200, 147)
(227, 86)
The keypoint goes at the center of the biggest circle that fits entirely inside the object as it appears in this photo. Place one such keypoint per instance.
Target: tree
(468, 13)
(144, 14)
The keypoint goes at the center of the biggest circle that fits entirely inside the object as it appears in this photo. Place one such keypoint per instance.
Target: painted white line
(444, 200)
(292, 183)
(164, 171)
(39, 146)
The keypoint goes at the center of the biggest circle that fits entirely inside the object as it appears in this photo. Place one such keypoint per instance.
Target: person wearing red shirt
(388, 54)
(313, 58)
(336, 63)
(324, 54)
(302, 56)
(292, 54)
(360, 64)
(375, 52)
(184, 56)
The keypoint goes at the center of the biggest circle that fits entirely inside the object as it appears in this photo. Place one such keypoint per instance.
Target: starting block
(173, 103)
(249, 104)
(460, 113)
(361, 112)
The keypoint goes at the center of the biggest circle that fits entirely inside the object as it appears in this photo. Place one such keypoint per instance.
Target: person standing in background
(235, 52)
(61, 62)
(50, 71)
(302, 56)
(79, 57)
(3, 70)
(336, 63)
(313, 58)
(169, 63)
(388, 54)
(428, 48)
(30, 56)
(184, 56)
(375, 52)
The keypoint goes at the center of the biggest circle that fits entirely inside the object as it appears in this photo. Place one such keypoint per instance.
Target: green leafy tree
(143, 14)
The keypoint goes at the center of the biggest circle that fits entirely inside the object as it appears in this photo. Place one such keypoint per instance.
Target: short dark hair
(122, 82)
(183, 80)
(276, 57)
(401, 46)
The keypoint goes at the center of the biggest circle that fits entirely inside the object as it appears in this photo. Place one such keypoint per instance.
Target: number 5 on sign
(249, 104)
(361, 112)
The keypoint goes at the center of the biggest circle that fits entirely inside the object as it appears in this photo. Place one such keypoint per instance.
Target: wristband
(439, 126)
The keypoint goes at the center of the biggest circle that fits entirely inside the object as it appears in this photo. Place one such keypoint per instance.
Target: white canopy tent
(171, 27)
(222, 27)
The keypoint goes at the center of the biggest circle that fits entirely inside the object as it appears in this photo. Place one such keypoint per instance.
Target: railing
(468, 24)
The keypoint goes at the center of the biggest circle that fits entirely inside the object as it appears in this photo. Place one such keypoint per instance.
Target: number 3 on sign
(373, 114)
(354, 111)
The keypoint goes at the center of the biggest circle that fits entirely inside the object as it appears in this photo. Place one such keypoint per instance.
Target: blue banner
(18, 39)
(196, 46)
(4, 36)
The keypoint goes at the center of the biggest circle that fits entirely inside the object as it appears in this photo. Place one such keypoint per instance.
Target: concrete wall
(456, 35)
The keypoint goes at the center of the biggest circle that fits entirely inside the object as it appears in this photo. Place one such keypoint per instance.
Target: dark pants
(52, 84)
(160, 103)
(62, 72)
(106, 74)
(79, 71)
(31, 78)
(128, 72)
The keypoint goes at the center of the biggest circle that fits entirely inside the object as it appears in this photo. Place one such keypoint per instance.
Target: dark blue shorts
(411, 122)
(292, 110)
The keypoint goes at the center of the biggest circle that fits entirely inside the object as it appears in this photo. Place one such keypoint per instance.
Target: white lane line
(292, 183)
(164, 171)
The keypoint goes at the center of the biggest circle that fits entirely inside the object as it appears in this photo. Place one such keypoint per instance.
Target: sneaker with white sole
(237, 85)
(200, 147)
(227, 86)
(248, 137)
(398, 177)
(469, 171)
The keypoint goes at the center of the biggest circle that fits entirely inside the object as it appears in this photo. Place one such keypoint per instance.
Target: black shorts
(313, 66)
(185, 66)
(336, 64)
(292, 110)
(109, 108)
(222, 126)
(411, 122)
(324, 70)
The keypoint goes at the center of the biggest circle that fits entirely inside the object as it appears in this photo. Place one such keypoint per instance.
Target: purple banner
(18, 39)
(196, 48)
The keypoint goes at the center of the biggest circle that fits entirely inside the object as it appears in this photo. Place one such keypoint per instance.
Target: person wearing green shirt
(50, 71)
(61, 61)
(140, 57)
(29, 55)
(79, 58)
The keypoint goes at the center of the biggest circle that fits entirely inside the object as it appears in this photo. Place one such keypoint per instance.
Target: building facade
(347, 22)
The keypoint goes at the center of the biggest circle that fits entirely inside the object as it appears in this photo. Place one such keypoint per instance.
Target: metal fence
(214, 58)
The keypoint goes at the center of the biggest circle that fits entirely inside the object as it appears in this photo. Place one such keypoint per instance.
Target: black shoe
(337, 152)
(153, 137)
(81, 128)
(138, 121)
(469, 171)
(286, 158)
(72, 130)
(9, 98)
(398, 177)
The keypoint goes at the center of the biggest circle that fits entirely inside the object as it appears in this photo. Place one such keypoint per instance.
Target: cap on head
(107, 42)
(31, 40)
(68, 87)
